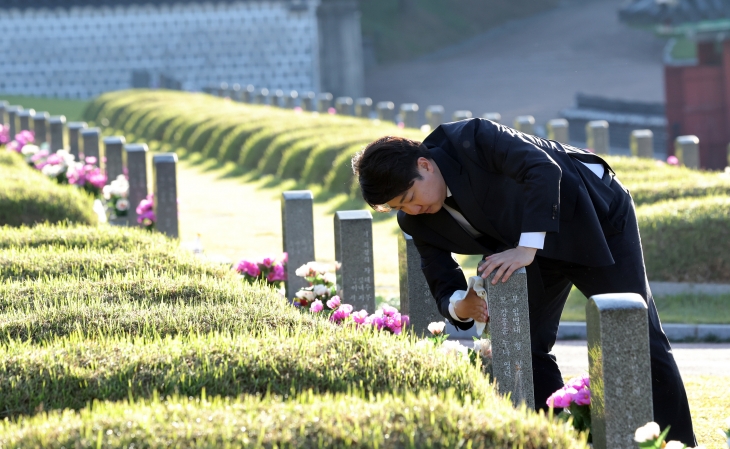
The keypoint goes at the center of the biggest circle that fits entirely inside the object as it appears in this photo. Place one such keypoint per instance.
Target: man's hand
(472, 306)
(507, 262)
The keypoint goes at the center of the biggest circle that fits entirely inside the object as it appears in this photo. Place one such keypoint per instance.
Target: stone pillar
(525, 124)
(415, 296)
(409, 111)
(297, 226)
(4, 112)
(247, 93)
(236, 92)
(222, 90)
(90, 138)
(13, 121)
(619, 367)
(137, 173)
(354, 251)
(25, 119)
(687, 150)
(40, 127)
(56, 142)
(74, 134)
(597, 136)
(557, 129)
(324, 102)
(493, 116)
(165, 169)
(363, 107)
(114, 163)
(290, 99)
(461, 115)
(386, 111)
(642, 143)
(307, 101)
(341, 62)
(261, 96)
(434, 115)
(509, 329)
(343, 105)
(277, 98)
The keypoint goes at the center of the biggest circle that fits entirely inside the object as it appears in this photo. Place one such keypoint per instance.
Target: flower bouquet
(54, 165)
(482, 346)
(21, 139)
(87, 176)
(575, 400)
(145, 212)
(116, 197)
(322, 285)
(268, 269)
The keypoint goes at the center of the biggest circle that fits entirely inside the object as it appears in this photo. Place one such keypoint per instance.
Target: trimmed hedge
(28, 197)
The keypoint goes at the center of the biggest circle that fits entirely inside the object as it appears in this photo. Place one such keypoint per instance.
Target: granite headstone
(247, 93)
(597, 136)
(557, 130)
(324, 102)
(493, 116)
(461, 114)
(343, 105)
(56, 124)
(297, 225)
(290, 99)
(137, 174)
(415, 296)
(13, 120)
(525, 124)
(4, 112)
(687, 150)
(166, 212)
(435, 115)
(385, 111)
(354, 251)
(25, 119)
(642, 143)
(90, 138)
(277, 98)
(363, 107)
(113, 147)
(74, 136)
(307, 101)
(409, 112)
(40, 127)
(261, 96)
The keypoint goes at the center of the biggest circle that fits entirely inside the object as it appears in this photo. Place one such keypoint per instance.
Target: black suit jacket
(506, 183)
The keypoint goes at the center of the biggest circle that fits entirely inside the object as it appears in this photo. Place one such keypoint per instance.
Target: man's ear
(425, 164)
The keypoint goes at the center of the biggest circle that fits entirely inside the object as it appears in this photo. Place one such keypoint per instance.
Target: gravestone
(74, 136)
(247, 94)
(509, 329)
(461, 115)
(290, 99)
(113, 147)
(409, 111)
(620, 368)
(277, 98)
(25, 119)
(597, 136)
(434, 115)
(343, 105)
(496, 117)
(687, 150)
(56, 124)
(261, 96)
(354, 251)
(90, 138)
(415, 296)
(525, 124)
(236, 92)
(307, 101)
(40, 127)
(642, 143)
(324, 102)
(557, 130)
(137, 174)
(222, 90)
(4, 112)
(363, 107)
(297, 225)
(386, 111)
(13, 120)
(165, 174)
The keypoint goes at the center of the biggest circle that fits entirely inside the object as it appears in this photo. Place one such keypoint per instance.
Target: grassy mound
(29, 197)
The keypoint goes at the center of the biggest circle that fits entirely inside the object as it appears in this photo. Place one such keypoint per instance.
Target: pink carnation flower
(389, 310)
(360, 317)
(333, 302)
(277, 274)
(316, 306)
(559, 399)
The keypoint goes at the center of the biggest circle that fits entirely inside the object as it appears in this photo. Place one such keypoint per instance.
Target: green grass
(72, 109)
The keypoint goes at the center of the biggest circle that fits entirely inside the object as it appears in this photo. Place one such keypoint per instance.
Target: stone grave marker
(236, 92)
(687, 150)
(40, 127)
(461, 115)
(343, 105)
(74, 135)
(324, 102)
(525, 124)
(90, 138)
(137, 173)
(597, 136)
(113, 147)
(434, 115)
(415, 296)
(4, 112)
(165, 170)
(307, 101)
(557, 129)
(642, 143)
(222, 90)
(354, 251)
(363, 107)
(56, 124)
(290, 99)
(386, 111)
(261, 96)
(297, 223)
(493, 116)
(13, 120)
(619, 367)
(409, 111)
(247, 93)
(277, 98)
(25, 119)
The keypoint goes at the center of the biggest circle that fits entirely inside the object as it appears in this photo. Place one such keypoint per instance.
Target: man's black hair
(387, 168)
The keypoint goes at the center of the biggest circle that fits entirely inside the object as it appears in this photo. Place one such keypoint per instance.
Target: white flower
(483, 347)
(122, 204)
(305, 294)
(29, 150)
(453, 347)
(302, 271)
(320, 290)
(650, 431)
(330, 278)
(52, 170)
(674, 445)
(436, 327)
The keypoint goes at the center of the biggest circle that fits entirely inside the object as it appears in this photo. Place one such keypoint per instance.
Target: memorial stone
(496, 117)
(687, 150)
(557, 129)
(434, 115)
(40, 127)
(236, 92)
(297, 223)
(4, 112)
(113, 147)
(619, 365)
(277, 98)
(324, 102)
(343, 105)
(247, 94)
(137, 174)
(166, 213)
(409, 111)
(363, 107)
(642, 143)
(509, 330)
(307, 101)
(74, 135)
(386, 111)
(13, 120)
(90, 138)
(354, 251)
(261, 96)
(56, 124)
(25, 119)
(525, 124)
(461, 115)
(222, 90)
(415, 296)
(597, 136)
(290, 99)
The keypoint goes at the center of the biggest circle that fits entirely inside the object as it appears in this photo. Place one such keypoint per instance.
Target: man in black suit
(477, 187)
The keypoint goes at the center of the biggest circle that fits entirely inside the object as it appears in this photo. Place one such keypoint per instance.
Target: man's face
(426, 195)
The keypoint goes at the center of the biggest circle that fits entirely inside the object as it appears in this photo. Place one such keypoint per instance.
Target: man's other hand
(472, 306)
(507, 262)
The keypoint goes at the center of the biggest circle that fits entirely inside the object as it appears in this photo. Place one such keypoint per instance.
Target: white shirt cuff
(456, 318)
(532, 239)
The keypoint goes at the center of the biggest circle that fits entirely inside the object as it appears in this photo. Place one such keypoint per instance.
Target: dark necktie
(451, 202)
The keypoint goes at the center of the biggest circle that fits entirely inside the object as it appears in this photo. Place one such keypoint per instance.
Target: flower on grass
(342, 312)
(334, 302)
(306, 295)
(673, 160)
(360, 317)
(483, 347)
(437, 327)
(320, 290)
(277, 273)
(649, 431)
(316, 306)
(145, 211)
(454, 347)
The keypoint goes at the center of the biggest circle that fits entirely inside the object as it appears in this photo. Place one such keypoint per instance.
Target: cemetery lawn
(72, 109)
(709, 406)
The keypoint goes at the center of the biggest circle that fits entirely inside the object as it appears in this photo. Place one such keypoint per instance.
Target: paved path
(532, 66)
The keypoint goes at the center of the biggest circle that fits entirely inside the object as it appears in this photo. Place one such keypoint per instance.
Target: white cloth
(475, 283)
